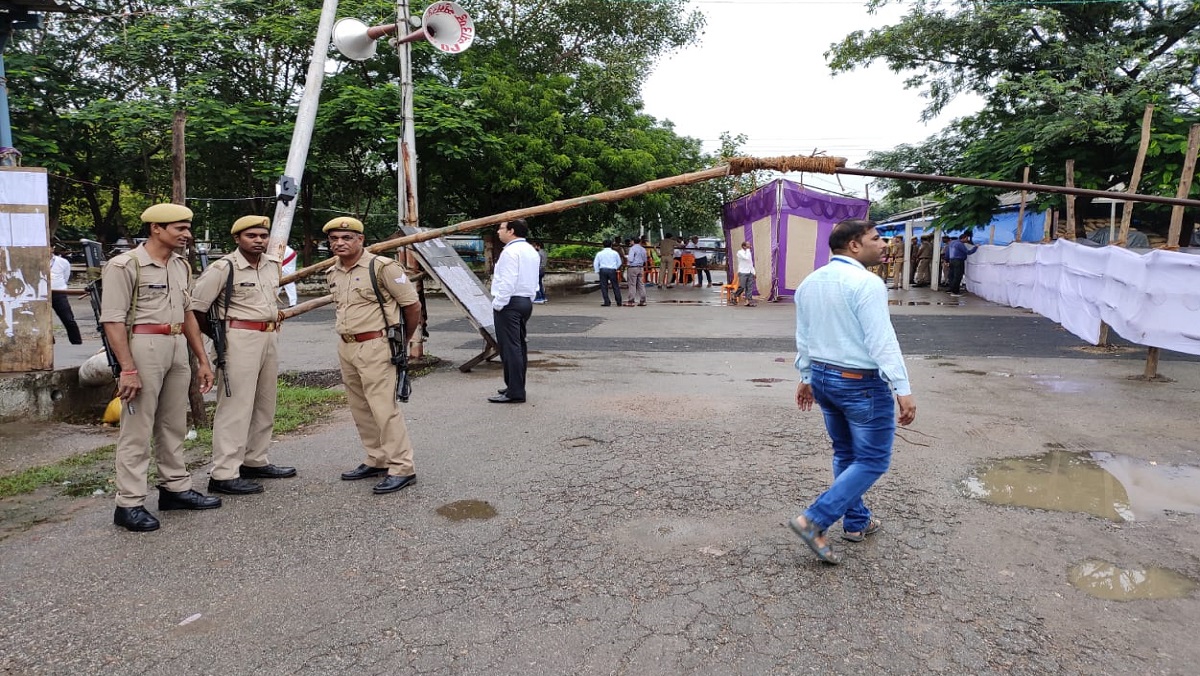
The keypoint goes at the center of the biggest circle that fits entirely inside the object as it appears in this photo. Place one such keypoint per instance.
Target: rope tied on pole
(785, 164)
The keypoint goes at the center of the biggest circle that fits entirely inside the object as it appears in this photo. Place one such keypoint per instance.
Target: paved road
(639, 502)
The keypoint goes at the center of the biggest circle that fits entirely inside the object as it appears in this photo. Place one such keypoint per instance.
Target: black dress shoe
(505, 399)
(394, 483)
(266, 472)
(504, 391)
(136, 519)
(238, 486)
(188, 499)
(363, 472)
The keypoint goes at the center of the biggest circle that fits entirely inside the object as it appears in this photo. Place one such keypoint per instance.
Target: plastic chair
(687, 268)
(727, 291)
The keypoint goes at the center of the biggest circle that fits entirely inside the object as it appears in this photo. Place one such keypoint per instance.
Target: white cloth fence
(1149, 298)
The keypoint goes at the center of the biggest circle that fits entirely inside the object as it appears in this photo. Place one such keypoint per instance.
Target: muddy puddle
(1109, 581)
(1108, 485)
(462, 510)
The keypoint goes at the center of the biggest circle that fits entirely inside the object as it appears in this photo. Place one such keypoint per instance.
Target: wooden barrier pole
(1136, 177)
(1185, 187)
(1070, 174)
(1021, 210)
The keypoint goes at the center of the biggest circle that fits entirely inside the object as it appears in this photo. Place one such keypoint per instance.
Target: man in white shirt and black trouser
(514, 284)
(60, 273)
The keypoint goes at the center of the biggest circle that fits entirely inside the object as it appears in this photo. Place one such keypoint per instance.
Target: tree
(1059, 81)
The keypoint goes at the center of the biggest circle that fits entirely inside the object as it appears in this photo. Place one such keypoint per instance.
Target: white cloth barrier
(1151, 299)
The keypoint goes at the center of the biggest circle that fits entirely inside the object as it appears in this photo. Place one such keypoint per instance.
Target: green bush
(573, 251)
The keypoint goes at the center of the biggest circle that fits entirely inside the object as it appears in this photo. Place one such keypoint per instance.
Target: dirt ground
(630, 519)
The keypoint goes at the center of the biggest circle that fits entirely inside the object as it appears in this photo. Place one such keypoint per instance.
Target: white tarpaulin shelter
(1151, 299)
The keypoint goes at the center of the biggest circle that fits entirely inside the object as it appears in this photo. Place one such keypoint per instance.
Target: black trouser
(957, 267)
(608, 276)
(702, 269)
(62, 307)
(510, 336)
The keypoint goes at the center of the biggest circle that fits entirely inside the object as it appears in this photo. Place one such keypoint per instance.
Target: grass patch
(82, 474)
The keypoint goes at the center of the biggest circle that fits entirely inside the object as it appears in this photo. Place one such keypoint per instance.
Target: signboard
(443, 263)
(26, 338)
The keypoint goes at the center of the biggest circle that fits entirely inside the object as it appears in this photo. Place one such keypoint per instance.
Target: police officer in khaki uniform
(364, 354)
(245, 418)
(145, 318)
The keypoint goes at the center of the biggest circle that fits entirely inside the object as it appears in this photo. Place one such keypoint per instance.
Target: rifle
(397, 342)
(399, 346)
(216, 330)
(95, 291)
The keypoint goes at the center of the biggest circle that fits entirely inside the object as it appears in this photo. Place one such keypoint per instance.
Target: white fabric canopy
(1150, 299)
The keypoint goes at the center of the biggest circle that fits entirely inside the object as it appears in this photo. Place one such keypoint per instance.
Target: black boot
(136, 519)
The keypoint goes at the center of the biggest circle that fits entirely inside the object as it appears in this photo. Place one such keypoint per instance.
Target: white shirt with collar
(60, 272)
(606, 258)
(516, 273)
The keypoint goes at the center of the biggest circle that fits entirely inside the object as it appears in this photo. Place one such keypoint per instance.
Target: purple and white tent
(788, 228)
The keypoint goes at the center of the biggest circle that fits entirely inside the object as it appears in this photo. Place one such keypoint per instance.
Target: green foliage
(1059, 81)
(544, 106)
(573, 251)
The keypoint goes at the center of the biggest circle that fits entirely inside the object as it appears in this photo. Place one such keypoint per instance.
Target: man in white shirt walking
(745, 275)
(850, 365)
(60, 272)
(606, 264)
(514, 284)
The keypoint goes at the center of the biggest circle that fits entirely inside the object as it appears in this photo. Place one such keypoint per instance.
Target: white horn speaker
(355, 40)
(447, 26)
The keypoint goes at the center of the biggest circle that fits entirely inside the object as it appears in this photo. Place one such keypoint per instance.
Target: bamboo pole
(1070, 200)
(1185, 186)
(1136, 177)
(1014, 185)
(735, 166)
(1021, 211)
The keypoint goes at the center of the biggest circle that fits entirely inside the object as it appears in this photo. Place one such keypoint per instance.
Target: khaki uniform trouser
(160, 413)
(923, 271)
(666, 270)
(898, 272)
(244, 420)
(370, 381)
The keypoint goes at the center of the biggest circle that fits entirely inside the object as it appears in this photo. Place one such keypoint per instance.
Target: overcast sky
(760, 70)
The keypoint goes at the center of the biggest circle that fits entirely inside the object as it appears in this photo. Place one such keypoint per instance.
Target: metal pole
(6, 158)
(293, 173)
(407, 166)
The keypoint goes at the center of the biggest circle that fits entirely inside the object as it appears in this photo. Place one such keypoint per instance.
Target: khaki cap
(344, 223)
(247, 222)
(167, 213)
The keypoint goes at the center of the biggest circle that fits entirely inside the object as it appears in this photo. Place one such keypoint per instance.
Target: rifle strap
(378, 295)
(228, 291)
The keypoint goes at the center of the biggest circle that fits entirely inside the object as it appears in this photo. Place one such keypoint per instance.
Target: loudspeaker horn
(446, 25)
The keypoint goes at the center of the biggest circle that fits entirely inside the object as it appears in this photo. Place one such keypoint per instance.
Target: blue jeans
(860, 416)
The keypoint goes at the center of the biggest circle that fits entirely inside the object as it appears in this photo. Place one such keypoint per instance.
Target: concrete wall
(46, 395)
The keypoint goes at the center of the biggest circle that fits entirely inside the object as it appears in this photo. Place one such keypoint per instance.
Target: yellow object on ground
(112, 413)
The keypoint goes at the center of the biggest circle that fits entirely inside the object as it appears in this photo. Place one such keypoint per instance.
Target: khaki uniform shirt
(357, 307)
(163, 292)
(926, 251)
(896, 249)
(254, 288)
(666, 248)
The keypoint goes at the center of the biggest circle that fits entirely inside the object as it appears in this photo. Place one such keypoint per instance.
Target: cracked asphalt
(641, 497)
